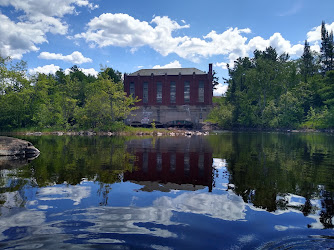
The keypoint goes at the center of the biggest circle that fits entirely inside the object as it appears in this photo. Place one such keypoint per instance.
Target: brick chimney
(210, 68)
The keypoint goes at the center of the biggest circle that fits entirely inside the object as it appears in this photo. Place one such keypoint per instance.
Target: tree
(215, 80)
(308, 67)
(327, 49)
(112, 74)
(106, 105)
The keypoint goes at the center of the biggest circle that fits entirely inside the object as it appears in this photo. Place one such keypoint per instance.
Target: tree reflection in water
(266, 168)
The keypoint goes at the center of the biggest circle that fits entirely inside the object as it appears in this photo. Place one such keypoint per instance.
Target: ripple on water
(301, 242)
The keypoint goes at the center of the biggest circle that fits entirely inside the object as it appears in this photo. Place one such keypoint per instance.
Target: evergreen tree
(327, 46)
(308, 67)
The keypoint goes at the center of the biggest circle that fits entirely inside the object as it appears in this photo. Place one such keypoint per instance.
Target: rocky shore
(157, 132)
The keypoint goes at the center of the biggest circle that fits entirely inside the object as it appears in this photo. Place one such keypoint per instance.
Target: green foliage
(221, 114)
(320, 118)
(308, 63)
(60, 101)
(327, 49)
(264, 166)
(272, 91)
(153, 124)
(101, 159)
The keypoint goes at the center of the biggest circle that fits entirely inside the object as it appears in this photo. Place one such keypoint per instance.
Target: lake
(224, 191)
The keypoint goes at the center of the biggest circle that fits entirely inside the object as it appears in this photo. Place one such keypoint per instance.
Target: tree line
(61, 101)
(272, 91)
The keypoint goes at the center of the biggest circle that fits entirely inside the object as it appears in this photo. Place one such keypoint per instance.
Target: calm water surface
(228, 191)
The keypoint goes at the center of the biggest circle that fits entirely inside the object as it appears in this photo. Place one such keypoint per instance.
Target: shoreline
(167, 132)
(173, 132)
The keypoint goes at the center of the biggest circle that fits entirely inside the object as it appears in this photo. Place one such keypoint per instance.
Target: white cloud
(52, 69)
(50, 8)
(222, 65)
(76, 57)
(87, 3)
(175, 64)
(90, 71)
(39, 18)
(74, 193)
(220, 89)
(276, 41)
(46, 69)
(123, 30)
(219, 163)
(315, 34)
(18, 38)
(315, 47)
(226, 207)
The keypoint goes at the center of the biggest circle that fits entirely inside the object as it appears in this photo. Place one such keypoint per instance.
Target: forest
(61, 101)
(271, 91)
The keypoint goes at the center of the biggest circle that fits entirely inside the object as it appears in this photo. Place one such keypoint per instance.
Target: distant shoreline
(165, 132)
(155, 132)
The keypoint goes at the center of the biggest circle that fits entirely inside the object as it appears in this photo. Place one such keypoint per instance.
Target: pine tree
(307, 62)
(327, 46)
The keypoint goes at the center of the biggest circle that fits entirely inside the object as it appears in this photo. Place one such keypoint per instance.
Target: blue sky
(130, 35)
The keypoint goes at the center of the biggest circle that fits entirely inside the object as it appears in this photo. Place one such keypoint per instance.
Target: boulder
(10, 146)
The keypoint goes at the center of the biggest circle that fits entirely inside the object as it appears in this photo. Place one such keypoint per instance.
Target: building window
(172, 92)
(172, 162)
(186, 161)
(201, 164)
(159, 162)
(145, 162)
(201, 91)
(132, 89)
(145, 92)
(186, 92)
(159, 92)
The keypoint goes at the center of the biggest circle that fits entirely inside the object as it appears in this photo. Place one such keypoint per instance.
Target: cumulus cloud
(46, 69)
(226, 207)
(220, 89)
(315, 34)
(222, 65)
(123, 30)
(38, 18)
(49, 8)
(18, 38)
(76, 57)
(276, 41)
(90, 71)
(74, 193)
(175, 64)
(52, 69)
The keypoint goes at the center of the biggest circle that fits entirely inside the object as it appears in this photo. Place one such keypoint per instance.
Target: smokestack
(210, 68)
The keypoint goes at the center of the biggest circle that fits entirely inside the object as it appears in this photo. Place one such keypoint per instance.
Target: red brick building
(168, 96)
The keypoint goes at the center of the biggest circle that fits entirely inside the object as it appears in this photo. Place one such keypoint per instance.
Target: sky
(129, 35)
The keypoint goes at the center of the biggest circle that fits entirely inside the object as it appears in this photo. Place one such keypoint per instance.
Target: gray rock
(17, 147)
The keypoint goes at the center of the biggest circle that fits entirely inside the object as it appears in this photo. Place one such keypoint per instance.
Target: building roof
(168, 71)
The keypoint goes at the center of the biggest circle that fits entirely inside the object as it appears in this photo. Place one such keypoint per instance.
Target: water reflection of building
(171, 163)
